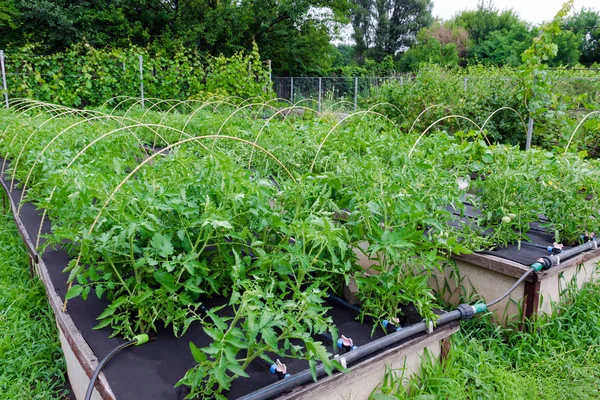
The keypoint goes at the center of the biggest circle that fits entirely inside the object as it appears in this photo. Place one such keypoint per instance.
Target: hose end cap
(141, 339)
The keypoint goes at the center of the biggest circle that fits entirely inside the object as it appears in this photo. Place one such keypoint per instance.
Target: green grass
(558, 358)
(31, 361)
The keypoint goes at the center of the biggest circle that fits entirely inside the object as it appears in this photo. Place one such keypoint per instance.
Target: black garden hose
(513, 287)
(138, 340)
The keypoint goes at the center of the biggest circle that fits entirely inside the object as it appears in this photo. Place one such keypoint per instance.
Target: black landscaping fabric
(151, 371)
(520, 253)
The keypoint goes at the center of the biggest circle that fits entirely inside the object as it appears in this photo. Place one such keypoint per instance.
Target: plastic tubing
(555, 259)
(138, 340)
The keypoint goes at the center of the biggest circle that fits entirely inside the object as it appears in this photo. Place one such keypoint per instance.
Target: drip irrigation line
(512, 288)
(331, 298)
(463, 311)
(550, 249)
(138, 340)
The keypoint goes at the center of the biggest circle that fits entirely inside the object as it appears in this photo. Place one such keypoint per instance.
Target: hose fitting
(545, 261)
(392, 326)
(554, 250)
(346, 343)
(479, 308)
(279, 369)
(141, 339)
(537, 267)
(466, 311)
(588, 236)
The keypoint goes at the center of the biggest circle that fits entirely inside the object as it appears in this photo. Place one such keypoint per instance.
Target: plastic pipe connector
(537, 266)
(280, 370)
(387, 325)
(466, 311)
(479, 308)
(141, 339)
(346, 343)
(546, 263)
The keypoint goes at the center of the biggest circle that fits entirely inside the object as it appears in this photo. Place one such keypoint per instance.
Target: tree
(430, 49)
(290, 32)
(388, 27)
(586, 26)
(9, 24)
(498, 37)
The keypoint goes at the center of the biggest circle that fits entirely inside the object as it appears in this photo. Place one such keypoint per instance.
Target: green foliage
(84, 76)
(383, 28)
(487, 90)
(161, 235)
(265, 322)
(499, 38)
(554, 359)
(32, 363)
(585, 24)
(441, 43)
(289, 33)
(429, 51)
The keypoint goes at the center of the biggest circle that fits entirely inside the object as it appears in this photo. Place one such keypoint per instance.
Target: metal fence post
(142, 78)
(530, 124)
(320, 97)
(3, 77)
(465, 83)
(292, 90)
(270, 72)
(529, 133)
(355, 92)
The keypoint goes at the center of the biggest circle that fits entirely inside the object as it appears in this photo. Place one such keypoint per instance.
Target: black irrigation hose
(138, 340)
(513, 287)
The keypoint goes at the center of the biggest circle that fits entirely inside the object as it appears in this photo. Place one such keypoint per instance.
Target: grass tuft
(31, 361)
(557, 357)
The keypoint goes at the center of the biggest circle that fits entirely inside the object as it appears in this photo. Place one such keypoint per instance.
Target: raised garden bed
(486, 275)
(151, 371)
(239, 248)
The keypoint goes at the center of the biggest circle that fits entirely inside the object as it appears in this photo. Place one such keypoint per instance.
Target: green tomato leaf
(74, 291)
(198, 355)
(166, 280)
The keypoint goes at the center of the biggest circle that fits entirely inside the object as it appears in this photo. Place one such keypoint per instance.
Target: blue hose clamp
(340, 344)
(388, 325)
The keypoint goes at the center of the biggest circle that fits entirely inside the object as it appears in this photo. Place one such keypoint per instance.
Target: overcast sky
(534, 11)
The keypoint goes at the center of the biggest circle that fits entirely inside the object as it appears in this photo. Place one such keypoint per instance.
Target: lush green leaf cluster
(32, 363)
(295, 35)
(556, 100)
(166, 209)
(84, 76)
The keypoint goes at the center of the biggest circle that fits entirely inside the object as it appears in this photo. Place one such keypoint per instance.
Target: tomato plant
(162, 211)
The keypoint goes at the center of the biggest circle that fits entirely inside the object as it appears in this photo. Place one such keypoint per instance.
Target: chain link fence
(345, 93)
(329, 93)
